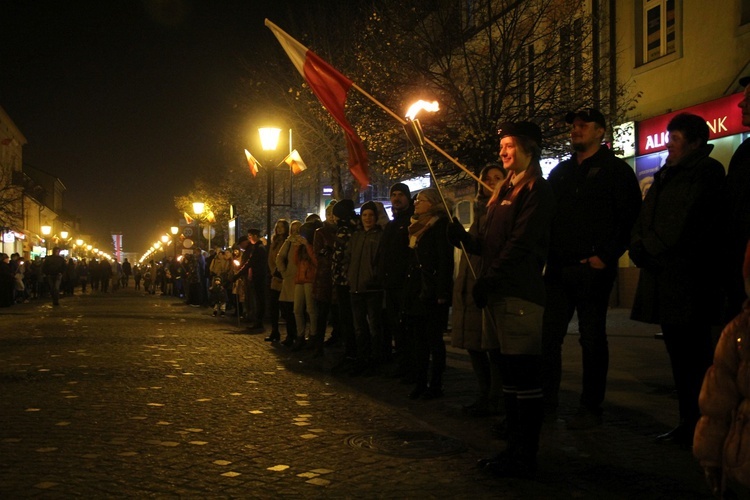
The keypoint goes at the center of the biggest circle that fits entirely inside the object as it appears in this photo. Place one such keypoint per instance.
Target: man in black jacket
(254, 265)
(54, 267)
(393, 260)
(598, 199)
(737, 197)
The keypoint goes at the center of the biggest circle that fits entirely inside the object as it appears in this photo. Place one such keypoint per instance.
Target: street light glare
(269, 138)
(198, 207)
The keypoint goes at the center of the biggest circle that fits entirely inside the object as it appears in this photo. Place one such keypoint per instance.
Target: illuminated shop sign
(722, 116)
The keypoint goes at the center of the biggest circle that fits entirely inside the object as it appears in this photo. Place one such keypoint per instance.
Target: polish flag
(330, 87)
(252, 162)
(294, 160)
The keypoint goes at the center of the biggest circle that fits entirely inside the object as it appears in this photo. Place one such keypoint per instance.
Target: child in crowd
(218, 296)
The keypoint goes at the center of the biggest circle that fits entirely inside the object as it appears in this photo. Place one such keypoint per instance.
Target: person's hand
(481, 292)
(594, 262)
(456, 233)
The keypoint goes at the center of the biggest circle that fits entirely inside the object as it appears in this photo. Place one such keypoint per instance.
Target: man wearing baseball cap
(393, 258)
(598, 199)
(737, 197)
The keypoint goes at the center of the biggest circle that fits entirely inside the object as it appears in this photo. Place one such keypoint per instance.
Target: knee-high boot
(531, 417)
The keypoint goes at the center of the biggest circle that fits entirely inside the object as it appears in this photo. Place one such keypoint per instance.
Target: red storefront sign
(722, 116)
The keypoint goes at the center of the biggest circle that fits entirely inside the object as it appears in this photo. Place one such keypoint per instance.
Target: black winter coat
(430, 271)
(597, 203)
(676, 243)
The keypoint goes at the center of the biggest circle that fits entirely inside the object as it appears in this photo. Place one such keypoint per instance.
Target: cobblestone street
(130, 395)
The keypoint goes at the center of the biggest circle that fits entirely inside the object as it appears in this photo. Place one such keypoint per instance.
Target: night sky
(128, 101)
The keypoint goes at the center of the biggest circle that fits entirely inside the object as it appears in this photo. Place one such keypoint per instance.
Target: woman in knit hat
(428, 292)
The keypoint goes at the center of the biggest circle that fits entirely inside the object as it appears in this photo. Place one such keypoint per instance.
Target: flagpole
(426, 139)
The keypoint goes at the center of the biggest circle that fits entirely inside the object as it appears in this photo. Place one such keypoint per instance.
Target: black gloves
(481, 291)
(456, 233)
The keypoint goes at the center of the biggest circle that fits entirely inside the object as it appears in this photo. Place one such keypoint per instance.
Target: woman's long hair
(278, 239)
(531, 175)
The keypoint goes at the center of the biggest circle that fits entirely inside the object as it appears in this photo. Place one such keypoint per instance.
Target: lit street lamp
(174, 230)
(269, 139)
(199, 209)
(46, 231)
(165, 239)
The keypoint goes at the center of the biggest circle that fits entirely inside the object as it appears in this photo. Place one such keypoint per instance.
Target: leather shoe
(272, 338)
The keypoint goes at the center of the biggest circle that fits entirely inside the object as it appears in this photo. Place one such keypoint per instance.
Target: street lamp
(269, 139)
(199, 209)
(165, 239)
(46, 231)
(174, 230)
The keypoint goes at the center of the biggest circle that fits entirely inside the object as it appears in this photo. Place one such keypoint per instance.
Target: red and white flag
(330, 87)
(252, 162)
(294, 160)
(188, 219)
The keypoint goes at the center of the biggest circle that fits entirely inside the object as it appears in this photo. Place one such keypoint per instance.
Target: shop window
(658, 34)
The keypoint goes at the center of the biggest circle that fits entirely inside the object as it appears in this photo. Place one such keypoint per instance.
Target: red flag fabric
(188, 219)
(294, 160)
(210, 217)
(330, 87)
(252, 162)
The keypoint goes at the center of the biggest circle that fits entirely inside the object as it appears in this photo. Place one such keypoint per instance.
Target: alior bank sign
(722, 116)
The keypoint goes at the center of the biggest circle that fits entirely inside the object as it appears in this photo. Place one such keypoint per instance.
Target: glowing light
(269, 138)
(422, 105)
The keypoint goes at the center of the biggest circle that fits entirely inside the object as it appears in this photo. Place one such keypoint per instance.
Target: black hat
(587, 115)
(369, 206)
(307, 230)
(523, 129)
(400, 186)
(344, 209)
(744, 80)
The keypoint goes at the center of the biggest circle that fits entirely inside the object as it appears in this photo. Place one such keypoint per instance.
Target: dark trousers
(273, 307)
(367, 311)
(287, 312)
(428, 343)
(394, 336)
(258, 291)
(346, 320)
(690, 353)
(586, 291)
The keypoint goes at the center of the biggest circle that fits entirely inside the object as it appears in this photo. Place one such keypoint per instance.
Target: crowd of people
(538, 251)
(55, 275)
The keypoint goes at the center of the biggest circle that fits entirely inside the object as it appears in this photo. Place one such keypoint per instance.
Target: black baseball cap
(587, 115)
(523, 129)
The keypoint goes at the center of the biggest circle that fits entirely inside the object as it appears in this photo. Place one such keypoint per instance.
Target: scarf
(419, 225)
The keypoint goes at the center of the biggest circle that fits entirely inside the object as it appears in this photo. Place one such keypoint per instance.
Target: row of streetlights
(80, 247)
(166, 240)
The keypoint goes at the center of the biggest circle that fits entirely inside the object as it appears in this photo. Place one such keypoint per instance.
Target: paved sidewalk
(126, 395)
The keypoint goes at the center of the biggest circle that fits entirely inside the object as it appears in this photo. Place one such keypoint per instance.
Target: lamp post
(164, 240)
(199, 208)
(46, 231)
(174, 230)
(269, 139)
